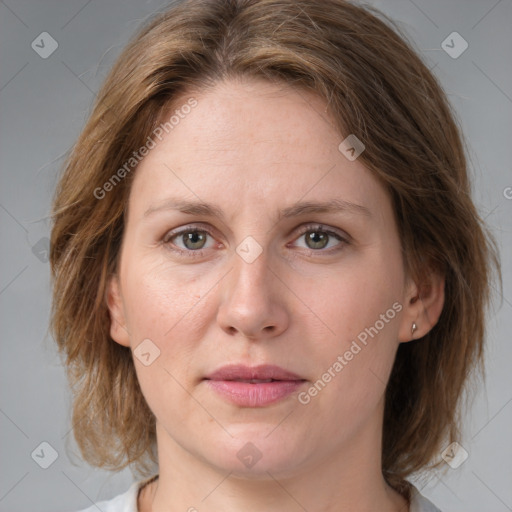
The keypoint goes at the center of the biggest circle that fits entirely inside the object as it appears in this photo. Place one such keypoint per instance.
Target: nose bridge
(251, 273)
(250, 302)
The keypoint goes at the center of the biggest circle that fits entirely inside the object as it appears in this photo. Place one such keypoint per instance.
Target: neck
(349, 482)
(240, 496)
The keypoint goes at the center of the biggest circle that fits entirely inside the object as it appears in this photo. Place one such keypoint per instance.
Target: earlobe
(423, 308)
(118, 329)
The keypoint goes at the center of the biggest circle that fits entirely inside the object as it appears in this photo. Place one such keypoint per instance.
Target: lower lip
(246, 394)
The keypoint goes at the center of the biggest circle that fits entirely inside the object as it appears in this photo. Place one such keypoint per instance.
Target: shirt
(127, 502)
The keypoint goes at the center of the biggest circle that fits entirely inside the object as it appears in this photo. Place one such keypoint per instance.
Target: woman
(269, 276)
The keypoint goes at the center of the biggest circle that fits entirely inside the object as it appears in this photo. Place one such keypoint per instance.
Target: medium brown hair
(377, 88)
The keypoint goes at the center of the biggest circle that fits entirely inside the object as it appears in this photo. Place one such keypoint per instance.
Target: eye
(317, 238)
(192, 241)
(192, 238)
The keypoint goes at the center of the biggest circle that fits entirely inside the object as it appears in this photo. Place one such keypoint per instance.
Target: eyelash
(201, 252)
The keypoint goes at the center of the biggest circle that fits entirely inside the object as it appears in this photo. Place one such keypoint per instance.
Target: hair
(376, 87)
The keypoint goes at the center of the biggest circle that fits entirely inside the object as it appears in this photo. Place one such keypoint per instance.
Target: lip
(261, 372)
(255, 386)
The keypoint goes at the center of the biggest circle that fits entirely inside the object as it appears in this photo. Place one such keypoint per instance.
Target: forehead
(253, 117)
(250, 141)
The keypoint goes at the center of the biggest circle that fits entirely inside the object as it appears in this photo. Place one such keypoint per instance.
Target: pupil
(314, 236)
(193, 236)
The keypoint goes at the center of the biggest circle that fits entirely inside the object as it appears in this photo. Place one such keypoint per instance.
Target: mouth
(254, 381)
(253, 386)
(256, 374)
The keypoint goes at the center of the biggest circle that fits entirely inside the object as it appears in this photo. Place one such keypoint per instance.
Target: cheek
(354, 300)
(362, 307)
(159, 299)
(171, 308)
(166, 308)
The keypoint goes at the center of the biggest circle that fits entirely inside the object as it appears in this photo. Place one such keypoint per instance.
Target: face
(258, 281)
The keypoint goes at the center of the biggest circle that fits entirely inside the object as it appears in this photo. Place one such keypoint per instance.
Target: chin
(253, 454)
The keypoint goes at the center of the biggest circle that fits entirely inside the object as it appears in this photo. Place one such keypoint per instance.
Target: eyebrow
(336, 206)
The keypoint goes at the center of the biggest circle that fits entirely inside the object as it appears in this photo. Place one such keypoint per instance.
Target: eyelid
(325, 229)
(196, 226)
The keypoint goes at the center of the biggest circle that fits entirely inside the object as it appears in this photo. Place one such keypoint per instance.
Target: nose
(254, 300)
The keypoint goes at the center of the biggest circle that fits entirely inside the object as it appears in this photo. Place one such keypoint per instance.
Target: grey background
(43, 106)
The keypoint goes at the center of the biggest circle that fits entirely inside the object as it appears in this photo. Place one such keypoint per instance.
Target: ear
(423, 306)
(118, 329)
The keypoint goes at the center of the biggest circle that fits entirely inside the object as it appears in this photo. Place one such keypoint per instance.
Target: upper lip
(242, 372)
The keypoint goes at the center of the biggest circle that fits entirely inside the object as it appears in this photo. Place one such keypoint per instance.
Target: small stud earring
(414, 327)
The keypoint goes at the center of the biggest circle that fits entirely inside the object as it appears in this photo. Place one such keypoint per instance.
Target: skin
(253, 148)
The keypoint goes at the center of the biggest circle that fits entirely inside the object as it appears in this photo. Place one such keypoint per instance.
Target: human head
(375, 87)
